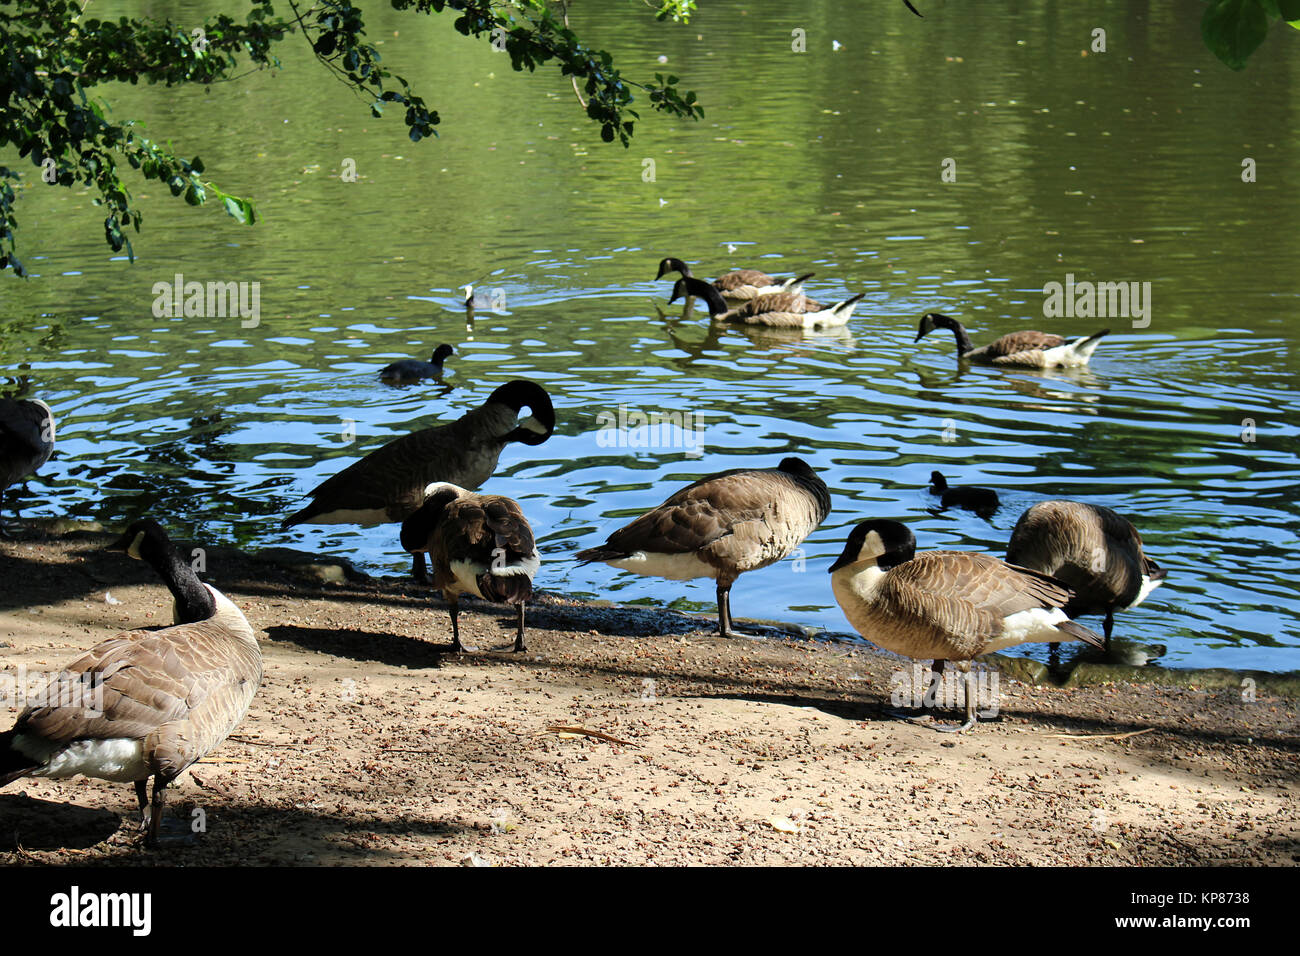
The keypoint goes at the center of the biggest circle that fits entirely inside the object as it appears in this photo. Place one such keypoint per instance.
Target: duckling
(982, 501)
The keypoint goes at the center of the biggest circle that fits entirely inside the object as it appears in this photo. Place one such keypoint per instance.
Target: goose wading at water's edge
(480, 545)
(1028, 349)
(389, 484)
(778, 310)
(26, 440)
(945, 605)
(720, 527)
(144, 704)
(1093, 550)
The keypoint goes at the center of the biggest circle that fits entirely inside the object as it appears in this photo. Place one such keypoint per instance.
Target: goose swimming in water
(1028, 349)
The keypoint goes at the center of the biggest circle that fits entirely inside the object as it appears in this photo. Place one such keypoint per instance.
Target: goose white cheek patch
(533, 425)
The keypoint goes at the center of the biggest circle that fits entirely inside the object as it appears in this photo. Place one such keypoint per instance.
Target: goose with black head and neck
(144, 704)
(388, 485)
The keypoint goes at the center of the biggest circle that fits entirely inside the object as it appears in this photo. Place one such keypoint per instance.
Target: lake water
(1116, 166)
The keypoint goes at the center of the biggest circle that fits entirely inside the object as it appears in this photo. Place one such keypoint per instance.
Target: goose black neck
(194, 602)
(693, 286)
(964, 344)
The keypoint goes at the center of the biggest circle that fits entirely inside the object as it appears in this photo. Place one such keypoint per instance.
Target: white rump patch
(1027, 627)
(120, 759)
(675, 567)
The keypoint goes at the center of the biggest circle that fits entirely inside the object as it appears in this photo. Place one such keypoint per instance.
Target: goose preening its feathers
(778, 309)
(1028, 349)
(720, 527)
(26, 439)
(389, 483)
(946, 605)
(477, 544)
(982, 501)
(412, 370)
(157, 701)
(1090, 548)
(742, 284)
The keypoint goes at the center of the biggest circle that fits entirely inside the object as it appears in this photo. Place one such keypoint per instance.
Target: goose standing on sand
(477, 544)
(982, 501)
(26, 440)
(146, 704)
(412, 370)
(1028, 349)
(779, 309)
(1090, 548)
(742, 284)
(389, 483)
(720, 527)
(945, 605)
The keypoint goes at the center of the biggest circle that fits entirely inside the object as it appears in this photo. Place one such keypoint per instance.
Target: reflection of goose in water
(796, 341)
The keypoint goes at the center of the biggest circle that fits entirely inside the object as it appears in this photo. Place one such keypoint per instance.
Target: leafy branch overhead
(56, 56)
(1234, 29)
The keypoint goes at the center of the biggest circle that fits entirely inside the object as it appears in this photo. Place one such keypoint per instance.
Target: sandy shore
(369, 743)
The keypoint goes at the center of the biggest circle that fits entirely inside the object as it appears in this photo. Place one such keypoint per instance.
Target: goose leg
(417, 568)
(724, 610)
(1108, 625)
(142, 797)
(971, 716)
(928, 698)
(519, 634)
(155, 816)
(453, 607)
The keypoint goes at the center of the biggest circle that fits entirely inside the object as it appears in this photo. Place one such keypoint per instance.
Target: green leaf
(1233, 29)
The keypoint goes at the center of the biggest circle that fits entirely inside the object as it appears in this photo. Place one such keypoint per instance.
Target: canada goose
(742, 284)
(389, 483)
(781, 309)
(1090, 548)
(1027, 348)
(982, 501)
(478, 544)
(945, 605)
(26, 439)
(720, 527)
(158, 701)
(412, 370)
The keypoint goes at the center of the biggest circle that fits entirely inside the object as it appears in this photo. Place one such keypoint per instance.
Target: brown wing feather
(180, 688)
(1026, 341)
(394, 476)
(957, 599)
(740, 278)
(1092, 549)
(727, 518)
(473, 528)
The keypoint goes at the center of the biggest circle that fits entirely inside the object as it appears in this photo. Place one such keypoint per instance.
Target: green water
(1115, 166)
